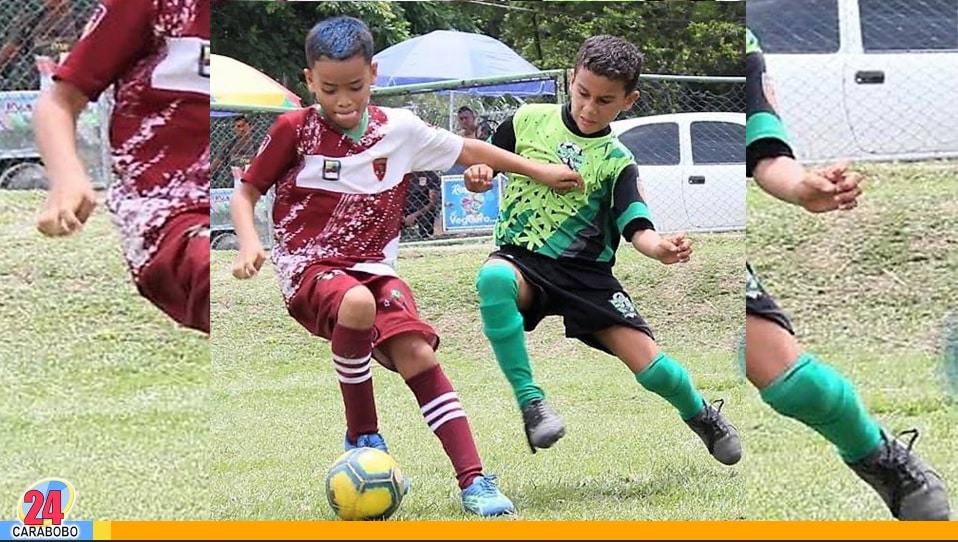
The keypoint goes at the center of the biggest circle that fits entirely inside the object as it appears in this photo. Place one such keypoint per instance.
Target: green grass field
(278, 421)
(102, 389)
(869, 291)
(98, 386)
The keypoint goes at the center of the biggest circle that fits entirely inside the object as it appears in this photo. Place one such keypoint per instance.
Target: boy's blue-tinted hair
(339, 38)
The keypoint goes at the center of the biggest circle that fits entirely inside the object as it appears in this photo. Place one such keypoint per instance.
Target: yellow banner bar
(526, 530)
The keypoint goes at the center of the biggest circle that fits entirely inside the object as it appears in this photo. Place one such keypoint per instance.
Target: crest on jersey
(379, 168)
(204, 63)
(570, 154)
(94, 20)
(331, 170)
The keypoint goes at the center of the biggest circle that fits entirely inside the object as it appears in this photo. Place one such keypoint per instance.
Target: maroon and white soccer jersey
(339, 201)
(157, 53)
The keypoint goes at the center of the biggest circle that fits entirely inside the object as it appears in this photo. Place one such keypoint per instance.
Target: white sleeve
(437, 149)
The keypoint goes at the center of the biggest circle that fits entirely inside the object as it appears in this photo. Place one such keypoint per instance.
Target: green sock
(665, 377)
(821, 398)
(503, 326)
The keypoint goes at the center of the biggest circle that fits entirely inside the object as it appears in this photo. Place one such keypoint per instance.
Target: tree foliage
(688, 38)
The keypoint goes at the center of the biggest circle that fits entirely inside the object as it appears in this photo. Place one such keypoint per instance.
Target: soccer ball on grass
(365, 484)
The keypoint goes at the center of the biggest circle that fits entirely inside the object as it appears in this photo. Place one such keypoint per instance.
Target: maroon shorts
(316, 305)
(177, 277)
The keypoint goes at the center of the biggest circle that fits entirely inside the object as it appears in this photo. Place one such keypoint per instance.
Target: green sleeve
(762, 121)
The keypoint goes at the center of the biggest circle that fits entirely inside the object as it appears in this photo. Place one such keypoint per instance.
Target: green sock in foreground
(503, 326)
(667, 378)
(818, 396)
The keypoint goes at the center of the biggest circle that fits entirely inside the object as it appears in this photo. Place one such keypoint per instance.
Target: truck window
(654, 144)
(909, 25)
(717, 143)
(790, 27)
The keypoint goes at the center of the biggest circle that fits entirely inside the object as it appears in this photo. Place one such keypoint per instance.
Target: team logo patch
(94, 20)
(379, 168)
(570, 154)
(331, 170)
(623, 304)
(204, 64)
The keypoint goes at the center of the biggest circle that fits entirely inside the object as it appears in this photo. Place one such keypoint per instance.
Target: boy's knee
(358, 308)
(496, 281)
(408, 354)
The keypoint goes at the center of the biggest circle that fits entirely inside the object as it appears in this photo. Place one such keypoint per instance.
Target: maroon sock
(446, 418)
(352, 350)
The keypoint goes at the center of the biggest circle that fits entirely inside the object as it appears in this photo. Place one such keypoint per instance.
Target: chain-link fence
(235, 136)
(34, 36)
(686, 132)
(863, 79)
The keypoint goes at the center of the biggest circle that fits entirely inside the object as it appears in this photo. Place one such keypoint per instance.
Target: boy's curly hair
(611, 57)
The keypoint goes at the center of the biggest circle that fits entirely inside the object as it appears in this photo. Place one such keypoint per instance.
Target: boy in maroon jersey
(156, 54)
(338, 171)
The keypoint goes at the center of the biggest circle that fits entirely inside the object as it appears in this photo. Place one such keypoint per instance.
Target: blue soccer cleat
(484, 499)
(373, 440)
(369, 440)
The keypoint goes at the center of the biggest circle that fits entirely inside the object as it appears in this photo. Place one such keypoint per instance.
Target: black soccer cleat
(910, 488)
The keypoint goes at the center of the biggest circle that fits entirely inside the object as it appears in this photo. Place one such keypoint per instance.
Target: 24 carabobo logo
(46, 502)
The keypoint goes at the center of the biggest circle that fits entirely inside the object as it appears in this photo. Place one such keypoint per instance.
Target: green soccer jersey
(762, 122)
(581, 225)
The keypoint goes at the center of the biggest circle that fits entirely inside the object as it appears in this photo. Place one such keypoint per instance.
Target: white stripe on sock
(458, 413)
(353, 370)
(438, 401)
(350, 361)
(452, 405)
(354, 379)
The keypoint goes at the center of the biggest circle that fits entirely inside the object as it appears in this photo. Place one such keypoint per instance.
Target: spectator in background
(467, 123)
(35, 39)
(237, 154)
(466, 118)
(422, 202)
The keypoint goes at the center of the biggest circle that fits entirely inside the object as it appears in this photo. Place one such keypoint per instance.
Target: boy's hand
(674, 249)
(560, 178)
(67, 208)
(829, 189)
(848, 185)
(478, 178)
(249, 261)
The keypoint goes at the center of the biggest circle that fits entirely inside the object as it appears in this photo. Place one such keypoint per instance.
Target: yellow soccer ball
(365, 484)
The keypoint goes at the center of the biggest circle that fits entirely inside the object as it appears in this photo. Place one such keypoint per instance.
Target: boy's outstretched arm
(251, 254)
(634, 220)
(500, 156)
(832, 188)
(71, 199)
(276, 155)
(769, 158)
(556, 176)
(669, 249)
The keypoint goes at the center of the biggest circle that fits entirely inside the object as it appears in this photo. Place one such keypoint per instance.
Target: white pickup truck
(692, 167)
(863, 79)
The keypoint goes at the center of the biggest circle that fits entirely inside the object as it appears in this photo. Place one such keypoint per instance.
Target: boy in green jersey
(556, 250)
(794, 383)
